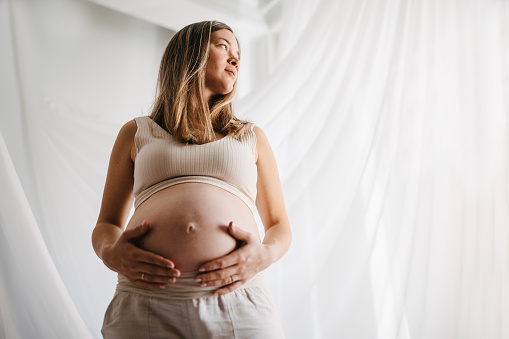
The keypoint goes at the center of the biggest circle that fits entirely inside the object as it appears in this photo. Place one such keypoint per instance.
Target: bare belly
(188, 223)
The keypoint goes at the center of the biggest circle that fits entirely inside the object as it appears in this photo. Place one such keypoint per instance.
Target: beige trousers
(186, 310)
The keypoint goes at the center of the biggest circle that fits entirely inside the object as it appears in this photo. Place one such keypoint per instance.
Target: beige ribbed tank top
(162, 161)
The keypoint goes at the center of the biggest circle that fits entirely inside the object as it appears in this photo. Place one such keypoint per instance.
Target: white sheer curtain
(395, 169)
(389, 122)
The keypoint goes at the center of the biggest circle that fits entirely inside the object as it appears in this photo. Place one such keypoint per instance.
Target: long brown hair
(180, 106)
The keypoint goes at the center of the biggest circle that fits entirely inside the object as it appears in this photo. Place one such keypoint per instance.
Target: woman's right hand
(140, 267)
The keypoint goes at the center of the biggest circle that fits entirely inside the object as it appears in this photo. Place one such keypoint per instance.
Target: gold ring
(143, 276)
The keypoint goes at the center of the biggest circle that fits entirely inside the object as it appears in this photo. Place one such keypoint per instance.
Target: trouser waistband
(184, 288)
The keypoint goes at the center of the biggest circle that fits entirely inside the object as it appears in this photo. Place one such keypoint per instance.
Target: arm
(114, 246)
(270, 202)
(252, 257)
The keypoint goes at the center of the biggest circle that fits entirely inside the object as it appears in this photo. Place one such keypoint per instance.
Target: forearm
(277, 241)
(103, 238)
(118, 251)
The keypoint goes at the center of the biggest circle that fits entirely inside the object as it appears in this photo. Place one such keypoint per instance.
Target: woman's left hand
(236, 268)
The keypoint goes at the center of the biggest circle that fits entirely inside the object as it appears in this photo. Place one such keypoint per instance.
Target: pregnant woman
(190, 260)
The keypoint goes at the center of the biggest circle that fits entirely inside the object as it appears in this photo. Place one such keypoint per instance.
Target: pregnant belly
(188, 223)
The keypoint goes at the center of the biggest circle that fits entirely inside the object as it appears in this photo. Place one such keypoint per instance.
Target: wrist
(276, 242)
(106, 256)
(104, 238)
(270, 254)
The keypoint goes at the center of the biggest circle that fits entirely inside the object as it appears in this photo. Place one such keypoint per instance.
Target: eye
(223, 46)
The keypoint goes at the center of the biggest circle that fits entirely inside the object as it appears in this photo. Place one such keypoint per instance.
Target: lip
(232, 72)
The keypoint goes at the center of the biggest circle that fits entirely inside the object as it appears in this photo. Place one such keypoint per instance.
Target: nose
(234, 62)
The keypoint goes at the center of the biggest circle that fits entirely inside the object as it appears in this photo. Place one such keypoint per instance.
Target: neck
(208, 95)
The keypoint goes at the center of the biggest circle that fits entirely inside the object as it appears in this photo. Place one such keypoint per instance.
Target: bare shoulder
(261, 137)
(125, 138)
(258, 131)
(263, 148)
(262, 143)
(129, 129)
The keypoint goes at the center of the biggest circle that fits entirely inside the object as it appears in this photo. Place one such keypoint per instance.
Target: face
(222, 64)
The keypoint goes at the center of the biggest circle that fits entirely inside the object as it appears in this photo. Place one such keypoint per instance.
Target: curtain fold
(389, 123)
(30, 284)
(392, 147)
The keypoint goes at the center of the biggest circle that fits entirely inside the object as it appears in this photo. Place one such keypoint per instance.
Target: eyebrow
(238, 52)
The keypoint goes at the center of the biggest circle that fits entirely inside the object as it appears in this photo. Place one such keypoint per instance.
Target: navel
(190, 228)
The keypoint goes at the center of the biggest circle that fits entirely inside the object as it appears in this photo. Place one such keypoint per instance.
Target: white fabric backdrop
(389, 121)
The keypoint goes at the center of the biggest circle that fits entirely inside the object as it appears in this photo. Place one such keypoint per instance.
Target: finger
(228, 288)
(152, 258)
(231, 259)
(157, 270)
(217, 278)
(221, 282)
(137, 231)
(238, 233)
(156, 279)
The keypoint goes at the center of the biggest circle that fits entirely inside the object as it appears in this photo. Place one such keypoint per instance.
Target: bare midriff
(189, 221)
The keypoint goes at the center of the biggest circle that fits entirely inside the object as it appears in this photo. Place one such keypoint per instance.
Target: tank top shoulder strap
(147, 129)
(141, 131)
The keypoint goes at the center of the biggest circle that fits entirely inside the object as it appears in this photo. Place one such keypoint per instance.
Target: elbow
(290, 236)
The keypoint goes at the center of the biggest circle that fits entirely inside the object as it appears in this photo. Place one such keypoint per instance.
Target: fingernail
(203, 285)
(197, 279)
(162, 286)
(201, 270)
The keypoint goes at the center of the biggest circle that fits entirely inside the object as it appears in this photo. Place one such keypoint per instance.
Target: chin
(222, 91)
(226, 92)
